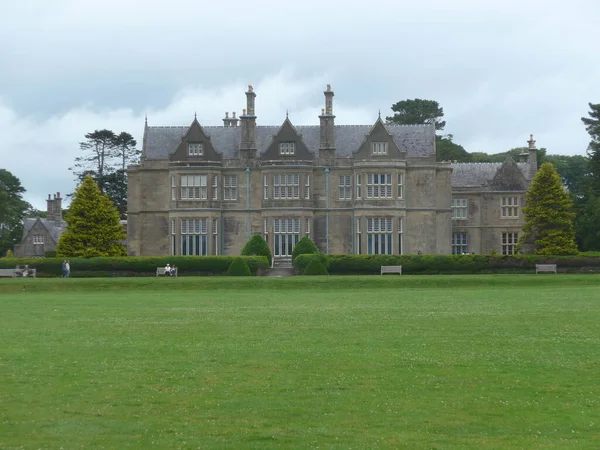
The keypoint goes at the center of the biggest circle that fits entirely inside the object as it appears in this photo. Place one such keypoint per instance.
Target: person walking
(67, 269)
(64, 269)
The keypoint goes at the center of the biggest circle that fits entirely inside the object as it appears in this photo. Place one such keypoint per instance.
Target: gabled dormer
(379, 144)
(509, 177)
(287, 144)
(195, 145)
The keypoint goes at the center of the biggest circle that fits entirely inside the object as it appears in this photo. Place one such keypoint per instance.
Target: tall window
(230, 187)
(194, 237)
(510, 207)
(379, 148)
(307, 187)
(379, 236)
(193, 187)
(266, 187)
(459, 208)
(287, 148)
(400, 235)
(38, 239)
(286, 235)
(509, 243)
(459, 243)
(215, 243)
(307, 226)
(345, 187)
(400, 185)
(173, 237)
(379, 185)
(173, 188)
(358, 237)
(196, 149)
(215, 187)
(286, 186)
(266, 229)
(358, 187)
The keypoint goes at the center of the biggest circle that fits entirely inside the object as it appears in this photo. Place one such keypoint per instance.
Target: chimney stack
(532, 157)
(248, 124)
(54, 207)
(327, 124)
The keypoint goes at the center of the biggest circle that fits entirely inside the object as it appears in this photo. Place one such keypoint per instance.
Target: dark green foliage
(548, 228)
(257, 246)
(239, 268)
(304, 247)
(13, 210)
(447, 150)
(592, 126)
(447, 264)
(135, 266)
(417, 112)
(315, 267)
(93, 227)
(50, 254)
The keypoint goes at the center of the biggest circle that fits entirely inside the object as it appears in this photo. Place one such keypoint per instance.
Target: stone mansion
(353, 189)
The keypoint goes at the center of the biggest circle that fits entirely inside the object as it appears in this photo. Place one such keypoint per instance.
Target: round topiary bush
(239, 268)
(304, 247)
(315, 267)
(257, 246)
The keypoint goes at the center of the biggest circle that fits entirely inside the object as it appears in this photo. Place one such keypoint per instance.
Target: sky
(501, 70)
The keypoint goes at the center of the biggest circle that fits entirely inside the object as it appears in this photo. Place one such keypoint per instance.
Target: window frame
(287, 148)
(198, 148)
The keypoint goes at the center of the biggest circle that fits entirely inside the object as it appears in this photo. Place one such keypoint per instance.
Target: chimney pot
(234, 114)
(250, 89)
(49, 197)
(328, 87)
(244, 111)
(226, 115)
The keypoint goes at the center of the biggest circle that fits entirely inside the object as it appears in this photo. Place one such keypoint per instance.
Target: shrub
(239, 268)
(257, 246)
(304, 247)
(315, 267)
(50, 254)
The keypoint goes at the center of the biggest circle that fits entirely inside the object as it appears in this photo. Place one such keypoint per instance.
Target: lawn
(416, 362)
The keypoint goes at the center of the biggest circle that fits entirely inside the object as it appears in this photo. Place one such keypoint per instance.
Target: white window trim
(215, 187)
(460, 209)
(286, 186)
(386, 187)
(307, 188)
(196, 149)
(230, 187)
(345, 187)
(379, 148)
(509, 204)
(512, 245)
(359, 186)
(38, 239)
(287, 148)
(400, 185)
(266, 187)
(198, 185)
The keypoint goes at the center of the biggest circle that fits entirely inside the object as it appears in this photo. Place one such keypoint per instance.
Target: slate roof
(54, 229)
(479, 174)
(417, 140)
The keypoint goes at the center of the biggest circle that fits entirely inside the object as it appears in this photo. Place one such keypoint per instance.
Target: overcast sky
(500, 70)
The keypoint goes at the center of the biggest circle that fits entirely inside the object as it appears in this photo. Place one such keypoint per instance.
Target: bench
(13, 273)
(391, 269)
(161, 271)
(545, 268)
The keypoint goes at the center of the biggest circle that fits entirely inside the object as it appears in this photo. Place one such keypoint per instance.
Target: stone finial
(328, 87)
(250, 88)
(531, 141)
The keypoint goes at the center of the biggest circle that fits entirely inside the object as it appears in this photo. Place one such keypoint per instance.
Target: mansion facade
(353, 189)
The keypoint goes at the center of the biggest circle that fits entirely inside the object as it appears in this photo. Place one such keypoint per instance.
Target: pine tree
(592, 126)
(93, 225)
(548, 216)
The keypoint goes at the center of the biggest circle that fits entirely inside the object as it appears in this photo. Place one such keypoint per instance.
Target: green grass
(415, 362)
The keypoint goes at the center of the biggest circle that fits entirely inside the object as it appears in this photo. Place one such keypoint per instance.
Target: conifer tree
(549, 218)
(93, 227)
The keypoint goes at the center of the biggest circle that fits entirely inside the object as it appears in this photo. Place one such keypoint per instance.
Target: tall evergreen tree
(417, 112)
(548, 228)
(13, 210)
(93, 227)
(592, 126)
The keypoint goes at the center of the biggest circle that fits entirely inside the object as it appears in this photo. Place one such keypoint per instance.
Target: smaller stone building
(40, 235)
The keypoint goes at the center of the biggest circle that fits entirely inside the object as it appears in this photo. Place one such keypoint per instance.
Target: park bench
(391, 269)
(161, 271)
(13, 273)
(545, 268)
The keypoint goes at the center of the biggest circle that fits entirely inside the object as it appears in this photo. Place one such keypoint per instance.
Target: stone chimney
(248, 124)
(54, 207)
(327, 120)
(532, 160)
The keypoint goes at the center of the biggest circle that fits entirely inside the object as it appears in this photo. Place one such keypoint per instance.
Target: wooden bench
(161, 271)
(391, 269)
(13, 273)
(545, 268)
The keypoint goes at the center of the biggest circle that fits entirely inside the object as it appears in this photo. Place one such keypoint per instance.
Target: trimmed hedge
(239, 268)
(256, 245)
(304, 247)
(315, 267)
(134, 265)
(448, 264)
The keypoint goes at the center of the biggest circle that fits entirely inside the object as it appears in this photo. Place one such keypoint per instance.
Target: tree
(446, 150)
(13, 210)
(93, 227)
(592, 126)
(257, 246)
(105, 160)
(417, 112)
(548, 228)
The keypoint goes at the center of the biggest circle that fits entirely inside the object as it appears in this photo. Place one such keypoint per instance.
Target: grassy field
(417, 362)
